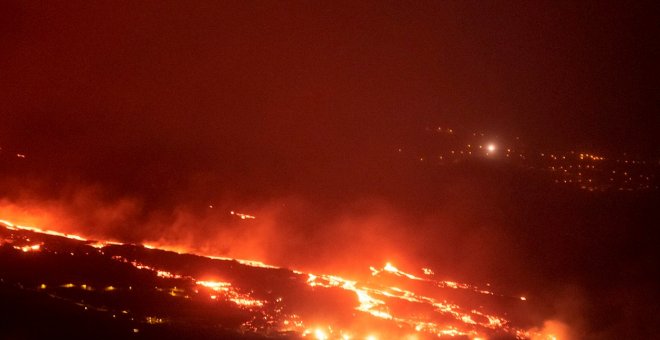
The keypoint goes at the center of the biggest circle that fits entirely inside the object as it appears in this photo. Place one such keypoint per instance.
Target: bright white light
(320, 335)
(491, 147)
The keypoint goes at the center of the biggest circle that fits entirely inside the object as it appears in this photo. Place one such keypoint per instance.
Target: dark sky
(269, 89)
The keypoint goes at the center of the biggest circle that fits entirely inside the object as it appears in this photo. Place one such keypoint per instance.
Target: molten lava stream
(392, 304)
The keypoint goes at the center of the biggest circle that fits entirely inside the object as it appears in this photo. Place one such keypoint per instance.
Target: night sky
(272, 84)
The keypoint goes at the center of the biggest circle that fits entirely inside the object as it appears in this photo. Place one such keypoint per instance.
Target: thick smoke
(559, 252)
(291, 232)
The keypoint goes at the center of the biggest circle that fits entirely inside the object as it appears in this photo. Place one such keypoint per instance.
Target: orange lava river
(390, 304)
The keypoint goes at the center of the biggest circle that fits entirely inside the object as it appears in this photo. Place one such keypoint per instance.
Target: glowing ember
(243, 216)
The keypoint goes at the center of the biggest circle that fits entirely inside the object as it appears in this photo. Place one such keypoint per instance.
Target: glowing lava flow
(389, 268)
(377, 298)
(12, 226)
(232, 294)
(378, 308)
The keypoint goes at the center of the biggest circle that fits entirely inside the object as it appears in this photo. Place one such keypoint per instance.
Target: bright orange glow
(25, 249)
(372, 298)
